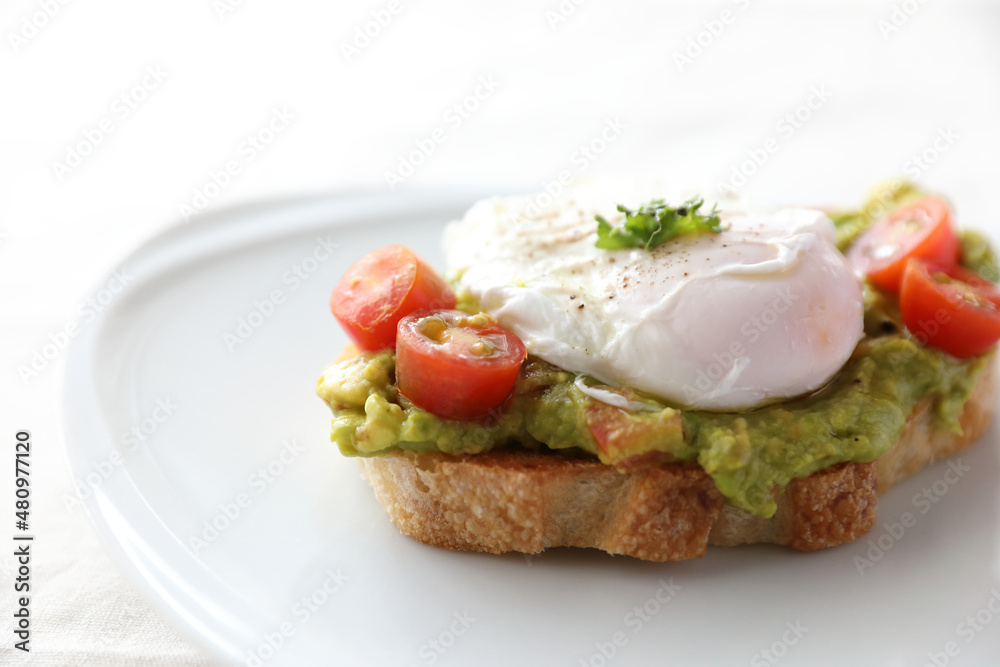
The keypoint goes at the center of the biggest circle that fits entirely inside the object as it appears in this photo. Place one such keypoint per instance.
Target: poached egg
(766, 310)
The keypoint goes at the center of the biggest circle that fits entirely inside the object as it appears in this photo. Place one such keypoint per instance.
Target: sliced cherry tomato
(383, 287)
(950, 308)
(456, 365)
(629, 441)
(923, 229)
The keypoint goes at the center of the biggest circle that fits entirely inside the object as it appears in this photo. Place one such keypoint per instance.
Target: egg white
(767, 309)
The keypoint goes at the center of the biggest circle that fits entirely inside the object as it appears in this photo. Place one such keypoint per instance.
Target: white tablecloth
(117, 118)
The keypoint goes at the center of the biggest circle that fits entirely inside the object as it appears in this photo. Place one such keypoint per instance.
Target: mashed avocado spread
(751, 455)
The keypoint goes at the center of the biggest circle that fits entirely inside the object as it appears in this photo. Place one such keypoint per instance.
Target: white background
(559, 80)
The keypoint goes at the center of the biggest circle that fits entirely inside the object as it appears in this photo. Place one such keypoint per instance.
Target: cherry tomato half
(950, 308)
(380, 289)
(456, 365)
(627, 440)
(923, 229)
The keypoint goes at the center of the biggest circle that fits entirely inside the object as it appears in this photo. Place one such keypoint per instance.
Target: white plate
(390, 600)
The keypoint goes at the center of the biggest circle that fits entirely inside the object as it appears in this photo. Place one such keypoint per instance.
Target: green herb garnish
(654, 223)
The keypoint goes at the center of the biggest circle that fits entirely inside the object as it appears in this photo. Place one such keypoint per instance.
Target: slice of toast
(515, 500)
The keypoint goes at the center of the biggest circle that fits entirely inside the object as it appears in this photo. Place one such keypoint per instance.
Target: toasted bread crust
(527, 502)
